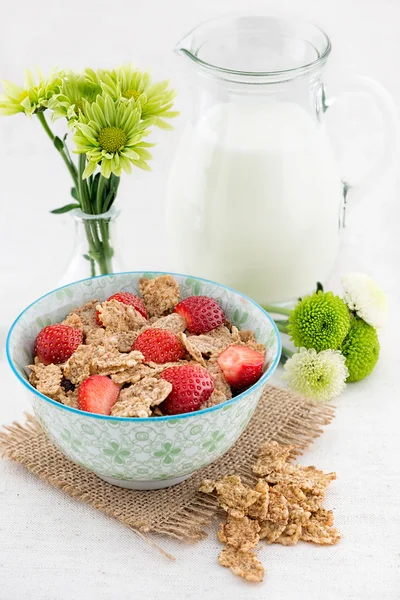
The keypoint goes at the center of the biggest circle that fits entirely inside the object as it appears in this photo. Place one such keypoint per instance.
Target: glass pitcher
(255, 198)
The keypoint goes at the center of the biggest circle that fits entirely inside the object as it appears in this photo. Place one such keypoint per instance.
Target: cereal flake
(117, 317)
(159, 295)
(79, 366)
(46, 378)
(152, 390)
(173, 322)
(106, 361)
(259, 510)
(73, 320)
(243, 564)
(272, 457)
(234, 497)
(240, 533)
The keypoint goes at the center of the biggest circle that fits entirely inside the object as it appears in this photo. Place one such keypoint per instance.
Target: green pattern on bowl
(157, 450)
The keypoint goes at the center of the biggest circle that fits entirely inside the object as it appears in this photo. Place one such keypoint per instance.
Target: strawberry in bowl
(144, 372)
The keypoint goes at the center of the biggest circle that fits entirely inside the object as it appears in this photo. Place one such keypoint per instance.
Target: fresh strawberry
(56, 343)
(202, 314)
(159, 346)
(191, 387)
(98, 394)
(241, 366)
(126, 298)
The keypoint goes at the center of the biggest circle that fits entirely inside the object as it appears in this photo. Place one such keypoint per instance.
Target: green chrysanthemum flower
(361, 349)
(69, 101)
(320, 321)
(155, 99)
(110, 134)
(319, 376)
(33, 97)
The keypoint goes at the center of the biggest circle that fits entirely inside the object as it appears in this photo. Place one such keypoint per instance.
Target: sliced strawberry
(126, 298)
(159, 346)
(56, 343)
(241, 366)
(191, 387)
(202, 314)
(98, 394)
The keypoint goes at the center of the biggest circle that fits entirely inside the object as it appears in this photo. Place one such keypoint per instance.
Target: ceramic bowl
(138, 453)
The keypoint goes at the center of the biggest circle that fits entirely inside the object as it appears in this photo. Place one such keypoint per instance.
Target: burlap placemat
(181, 511)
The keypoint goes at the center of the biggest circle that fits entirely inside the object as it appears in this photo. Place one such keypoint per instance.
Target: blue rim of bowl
(195, 413)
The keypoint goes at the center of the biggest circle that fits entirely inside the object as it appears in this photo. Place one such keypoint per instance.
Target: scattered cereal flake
(157, 412)
(272, 457)
(243, 564)
(95, 336)
(216, 398)
(191, 348)
(305, 499)
(152, 390)
(172, 322)
(117, 317)
(130, 406)
(323, 517)
(107, 361)
(315, 532)
(259, 510)
(270, 532)
(87, 314)
(46, 378)
(159, 295)
(234, 497)
(278, 511)
(240, 533)
(73, 320)
(79, 366)
(306, 478)
(297, 514)
(220, 382)
(133, 374)
(290, 535)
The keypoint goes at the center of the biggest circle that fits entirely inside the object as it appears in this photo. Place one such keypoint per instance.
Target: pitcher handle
(361, 87)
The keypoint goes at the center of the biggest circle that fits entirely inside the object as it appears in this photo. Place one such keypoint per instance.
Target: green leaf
(87, 257)
(59, 144)
(244, 318)
(64, 209)
(196, 288)
(236, 316)
(74, 194)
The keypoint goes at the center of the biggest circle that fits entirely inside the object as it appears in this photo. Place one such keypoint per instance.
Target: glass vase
(95, 246)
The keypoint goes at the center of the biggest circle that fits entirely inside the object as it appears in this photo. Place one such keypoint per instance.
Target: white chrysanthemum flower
(316, 375)
(363, 296)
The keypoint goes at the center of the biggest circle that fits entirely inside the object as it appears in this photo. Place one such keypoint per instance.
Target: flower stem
(279, 310)
(282, 328)
(99, 195)
(70, 165)
(287, 352)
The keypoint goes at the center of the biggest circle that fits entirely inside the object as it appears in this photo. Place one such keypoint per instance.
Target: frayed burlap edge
(300, 425)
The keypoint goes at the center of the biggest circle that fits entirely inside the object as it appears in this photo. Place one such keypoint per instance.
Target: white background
(52, 547)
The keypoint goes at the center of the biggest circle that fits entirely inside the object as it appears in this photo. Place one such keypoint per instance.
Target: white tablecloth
(55, 548)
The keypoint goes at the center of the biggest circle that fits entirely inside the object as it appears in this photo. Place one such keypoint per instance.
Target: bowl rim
(257, 385)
